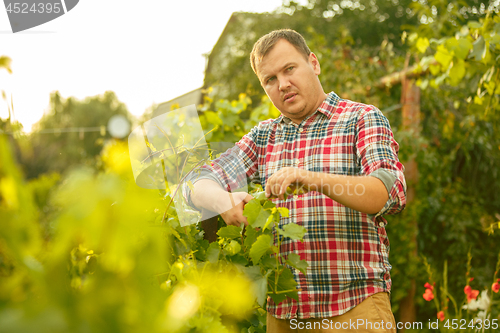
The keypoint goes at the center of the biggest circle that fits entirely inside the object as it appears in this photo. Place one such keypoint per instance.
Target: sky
(147, 52)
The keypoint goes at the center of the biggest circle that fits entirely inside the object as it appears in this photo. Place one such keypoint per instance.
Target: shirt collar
(327, 108)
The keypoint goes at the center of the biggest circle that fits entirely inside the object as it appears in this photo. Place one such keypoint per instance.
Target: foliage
(58, 151)
(482, 310)
(226, 123)
(458, 147)
(90, 251)
(112, 257)
(381, 20)
(93, 272)
(343, 44)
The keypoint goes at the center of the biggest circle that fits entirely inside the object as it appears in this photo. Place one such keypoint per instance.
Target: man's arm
(362, 193)
(232, 170)
(209, 195)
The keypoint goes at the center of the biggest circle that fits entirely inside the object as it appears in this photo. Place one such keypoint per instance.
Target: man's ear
(313, 60)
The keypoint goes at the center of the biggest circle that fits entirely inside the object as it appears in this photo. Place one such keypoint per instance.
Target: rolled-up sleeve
(232, 170)
(377, 153)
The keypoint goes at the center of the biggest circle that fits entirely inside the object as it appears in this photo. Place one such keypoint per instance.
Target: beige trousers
(373, 315)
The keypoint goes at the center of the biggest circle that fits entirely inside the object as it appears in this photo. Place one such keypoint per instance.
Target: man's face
(291, 81)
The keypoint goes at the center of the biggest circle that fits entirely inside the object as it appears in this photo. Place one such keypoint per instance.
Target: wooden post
(411, 122)
(210, 226)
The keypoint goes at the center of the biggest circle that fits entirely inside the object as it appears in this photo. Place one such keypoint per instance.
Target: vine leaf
(295, 261)
(260, 283)
(260, 195)
(230, 232)
(232, 248)
(268, 204)
(213, 252)
(293, 231)
(457, 72)
(273, 217)
(479, 49)
(286, 286)
(255, 214)
(260, 247)
(250, 236)
(284, 211)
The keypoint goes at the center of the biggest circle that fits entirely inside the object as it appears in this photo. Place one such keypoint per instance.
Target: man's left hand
(280, 181)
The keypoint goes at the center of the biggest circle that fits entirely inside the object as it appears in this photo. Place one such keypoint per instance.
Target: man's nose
(284, 83)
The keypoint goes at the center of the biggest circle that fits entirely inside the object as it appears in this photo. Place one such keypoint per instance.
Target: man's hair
(267, 42)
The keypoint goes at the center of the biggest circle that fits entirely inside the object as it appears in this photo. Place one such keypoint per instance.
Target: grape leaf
(293, 231)
(479, 49)
(287, 283)
(284, 211)
(269, 204)
(260, 283)
(294, 261)
(260, 195)
(232, 248)
(260, 247)
(457, 72)
(230, 232)
(269, 262)
(213, 252)
(270, 219)
(460, 47)
(250, 236)
(238, 259)
(255, 214)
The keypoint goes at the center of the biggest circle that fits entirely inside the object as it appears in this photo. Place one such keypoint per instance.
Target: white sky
(147, 51)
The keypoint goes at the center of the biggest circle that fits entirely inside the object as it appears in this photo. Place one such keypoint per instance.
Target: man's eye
(271, 79)
(290, 68)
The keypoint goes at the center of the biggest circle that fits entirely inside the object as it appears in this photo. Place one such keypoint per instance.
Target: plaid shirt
(347, 251)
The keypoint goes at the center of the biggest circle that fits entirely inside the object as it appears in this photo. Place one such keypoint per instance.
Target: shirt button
(297, 161)
(295, 196)
(381, 224)
(301, 130)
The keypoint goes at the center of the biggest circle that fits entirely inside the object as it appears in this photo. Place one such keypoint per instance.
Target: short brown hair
(267, 42)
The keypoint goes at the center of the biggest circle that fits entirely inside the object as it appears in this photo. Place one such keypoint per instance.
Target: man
(345, 155)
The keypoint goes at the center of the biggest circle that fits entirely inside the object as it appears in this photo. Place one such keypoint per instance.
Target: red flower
(428, 295)
(495, 287)
(440, 315)
(467, 290)
(428, 286)
(471, 293)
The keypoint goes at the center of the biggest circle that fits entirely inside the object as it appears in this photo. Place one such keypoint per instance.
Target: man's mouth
(290, 97)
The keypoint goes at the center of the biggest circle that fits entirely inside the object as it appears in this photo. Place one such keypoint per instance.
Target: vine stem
(284, 291)
(494, 280)
(177, 165)
(276, 225)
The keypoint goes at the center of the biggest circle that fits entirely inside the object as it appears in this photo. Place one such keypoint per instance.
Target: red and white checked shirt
(347, 251)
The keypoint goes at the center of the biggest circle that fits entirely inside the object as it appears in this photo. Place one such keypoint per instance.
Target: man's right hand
(209, 195)
(231, 207)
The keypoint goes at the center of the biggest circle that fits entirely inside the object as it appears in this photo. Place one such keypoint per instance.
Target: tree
(338, 22)
(54, 149)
